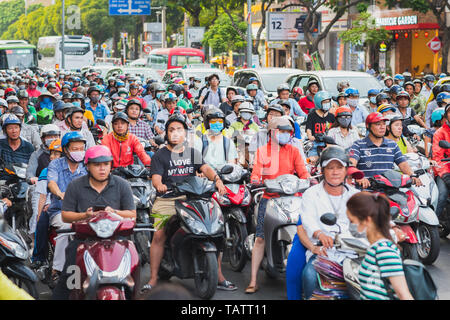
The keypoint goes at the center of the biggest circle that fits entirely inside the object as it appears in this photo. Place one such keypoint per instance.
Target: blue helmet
(10, 118)
(442, 96)
(442, 75)
(321, 96)
(59, 105)
(395, 89)
(373, 92)
(72, 137)
(437, 115)
(352, 92)
(399, 77)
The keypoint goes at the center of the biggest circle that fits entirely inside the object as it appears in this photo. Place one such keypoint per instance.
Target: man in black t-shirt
(171, 165)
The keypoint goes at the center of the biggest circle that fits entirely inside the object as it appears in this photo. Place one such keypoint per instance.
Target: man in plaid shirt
(138, 127)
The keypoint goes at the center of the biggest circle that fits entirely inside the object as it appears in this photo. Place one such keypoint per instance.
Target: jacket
(123, 151)
(443, 133)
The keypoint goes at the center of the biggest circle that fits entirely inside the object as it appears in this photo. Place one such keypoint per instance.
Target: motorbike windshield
(286, 184)
(196, 186)
(393, 179)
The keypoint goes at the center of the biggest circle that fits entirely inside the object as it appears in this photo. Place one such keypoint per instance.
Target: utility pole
(62, 41)
(164, 36)
(249, 34)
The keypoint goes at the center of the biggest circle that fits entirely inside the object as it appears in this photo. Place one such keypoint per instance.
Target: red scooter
(108, 262)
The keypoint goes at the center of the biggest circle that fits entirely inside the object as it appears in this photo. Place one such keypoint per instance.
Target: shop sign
(396, 21)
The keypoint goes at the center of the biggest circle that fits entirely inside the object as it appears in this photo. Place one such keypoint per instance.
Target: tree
(222, 36)
(437, 7)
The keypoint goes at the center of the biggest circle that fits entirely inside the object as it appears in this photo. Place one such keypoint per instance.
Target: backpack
(419, 280)
(226, 146)
(207, 94)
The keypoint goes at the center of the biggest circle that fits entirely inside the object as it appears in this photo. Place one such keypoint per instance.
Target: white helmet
(3, 103)
(246, 107)
(50, 129)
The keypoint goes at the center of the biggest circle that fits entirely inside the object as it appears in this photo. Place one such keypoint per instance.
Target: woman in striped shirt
(369, 216)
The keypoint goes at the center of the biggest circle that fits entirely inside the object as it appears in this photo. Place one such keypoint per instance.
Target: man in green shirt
(24, 102)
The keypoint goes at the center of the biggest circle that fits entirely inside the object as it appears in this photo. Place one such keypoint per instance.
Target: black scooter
(193, 235)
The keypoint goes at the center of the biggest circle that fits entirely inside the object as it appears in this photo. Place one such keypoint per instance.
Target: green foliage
(417, 5)
(222, 37)
(11, 12)
(365, 32)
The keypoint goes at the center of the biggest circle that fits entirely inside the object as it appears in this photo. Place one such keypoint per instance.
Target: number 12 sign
(287, 26)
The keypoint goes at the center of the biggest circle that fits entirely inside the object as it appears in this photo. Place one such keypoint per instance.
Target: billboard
(288, 26)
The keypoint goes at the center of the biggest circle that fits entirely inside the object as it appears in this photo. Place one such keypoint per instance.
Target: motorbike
(233, 204)
(193, 235)
(144, 195)
(243, 140)
(416, 219)
(280, 222)
(444, 218)
(97, 129)
(108, 262)
(14, 256)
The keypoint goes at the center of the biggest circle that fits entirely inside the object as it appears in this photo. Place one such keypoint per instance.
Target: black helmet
(67, 95)
(120, 115)
(176, 117)
(213, 113)
(436, 90)
(395, 89)
(58, 106)
(78, 95)
(133, 101)
(92, 89)
(178, 88)
(276, 107)
(445, 87)
(334, 153)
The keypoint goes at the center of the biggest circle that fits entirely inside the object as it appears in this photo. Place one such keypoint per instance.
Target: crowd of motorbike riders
(70, 130)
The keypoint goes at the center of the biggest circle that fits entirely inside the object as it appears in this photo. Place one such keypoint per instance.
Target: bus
(78, 52)
(170, 58)
(18, 54)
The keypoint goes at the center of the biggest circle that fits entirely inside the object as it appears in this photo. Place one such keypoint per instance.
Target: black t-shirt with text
(175, 167)
(317, 124)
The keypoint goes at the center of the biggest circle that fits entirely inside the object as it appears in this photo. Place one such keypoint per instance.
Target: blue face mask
(326, 106)
(216, 127)
(401, 83)
(283, 138)
(46, 100)
(76, 104)
(373, 100)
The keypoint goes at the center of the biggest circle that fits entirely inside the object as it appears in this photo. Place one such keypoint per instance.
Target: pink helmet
(97, 154)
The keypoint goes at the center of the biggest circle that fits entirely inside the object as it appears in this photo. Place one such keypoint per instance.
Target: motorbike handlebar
(144, 225)
(60, 231)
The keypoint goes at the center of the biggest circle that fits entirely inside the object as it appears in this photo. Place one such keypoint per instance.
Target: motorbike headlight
(247, 198)
(104, 228)
(196, 226)
(122, 271)
(15, 248)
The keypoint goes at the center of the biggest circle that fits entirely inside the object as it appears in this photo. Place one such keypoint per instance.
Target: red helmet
(375, 117)
(343, 111)
(98, 153)
(297, 90)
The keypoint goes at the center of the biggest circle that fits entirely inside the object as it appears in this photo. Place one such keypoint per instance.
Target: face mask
(326, 106)
(94, 100)
(283, 138)
(246, 115)
(76, 104)
(401, 83)
(22, 87)
(46, 100)
(373, 100)
(216, 127)
(77, 156)
(196, 85)
(344, 122)
(353, 229)
(352, 102)
(48, 142)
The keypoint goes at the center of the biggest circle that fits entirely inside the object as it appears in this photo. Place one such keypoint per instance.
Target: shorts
(313, 152)
(260, 220)
(165, 206)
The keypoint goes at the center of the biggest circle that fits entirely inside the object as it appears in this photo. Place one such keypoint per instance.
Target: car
(328, 80)
(269, 78)
(194, 71)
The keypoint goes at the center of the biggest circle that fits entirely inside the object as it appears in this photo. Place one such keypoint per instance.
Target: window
(21, 58)
(158, 61)
(75, 48)
(180, 61)
(302, 82)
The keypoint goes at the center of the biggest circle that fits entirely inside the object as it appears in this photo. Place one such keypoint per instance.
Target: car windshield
(271, 81)
(21, 58)
(225, 80)
(73, 48)
(363, 84)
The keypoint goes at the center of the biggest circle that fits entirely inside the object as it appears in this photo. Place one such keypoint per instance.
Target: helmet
(429, 78)
(436, 89)
(373, 92)
(22, 94)
(395, 89)
(343, 111)
(51, 85)
(374, 117)
(297, 90)
(213, 113)
(170, 97)
(98, 153)
(313, 81)
(342, 84)
(18, 111)
(334, 153)
(55, 145)
(237, 98)
(443, 97)
(3, 103)
(246, 107)
(176, 117)
(417, 81)
(134, 101)
(319, 97)
(120, 115)
(253, 79)
(281, 123)
(442, 75)
(445, 87)
(67, 95)
(178, 88)
(9, 91)
(284, 102)
(391, 118)
(72, 136)
(352, 92)
(92, 89)
(409, 83)
(399, 77)
(50, 130)
(12, 99)
(437, 115)
(387, 78)
(403, 94)
(282, 87)
(10, 118)
(341, 94)
(72, 111)
(78, 95)
(251, 86)
(275, 107)
(385, 107)
(58, 106)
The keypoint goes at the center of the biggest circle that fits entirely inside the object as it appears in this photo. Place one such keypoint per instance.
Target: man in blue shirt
(13, 149)
(99, 110)
(375, 154)
(284, 94)
(359, 113)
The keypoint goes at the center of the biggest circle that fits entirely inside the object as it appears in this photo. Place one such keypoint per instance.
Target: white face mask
(352, 102)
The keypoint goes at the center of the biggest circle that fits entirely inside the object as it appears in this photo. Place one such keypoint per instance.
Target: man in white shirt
(214, 95)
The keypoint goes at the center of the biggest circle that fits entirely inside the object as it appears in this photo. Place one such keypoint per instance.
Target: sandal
(226, 285)
(146, 288)
(251, 289)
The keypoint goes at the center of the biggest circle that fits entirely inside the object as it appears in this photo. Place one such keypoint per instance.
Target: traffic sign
(129, 7)
(147, 48)
(434, 44)
(104, 46)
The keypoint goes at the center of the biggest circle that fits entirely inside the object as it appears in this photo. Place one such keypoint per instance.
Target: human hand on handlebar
(364, 183)
(220, 187)
(417, 181)
(319, 250)
(162, 188)
(89, 212)
(327, 241)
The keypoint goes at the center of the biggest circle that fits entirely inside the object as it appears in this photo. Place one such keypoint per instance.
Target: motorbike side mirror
(444, 144)
(101, 122)
(161, 121)
(329, 219)
(394, 211)
(90, 123)
(226, 169)
(146, 111)
(159, 140)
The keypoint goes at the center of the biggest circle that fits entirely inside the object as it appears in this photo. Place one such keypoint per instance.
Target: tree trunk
(264, 9)
(445, 49)
(137, 29)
